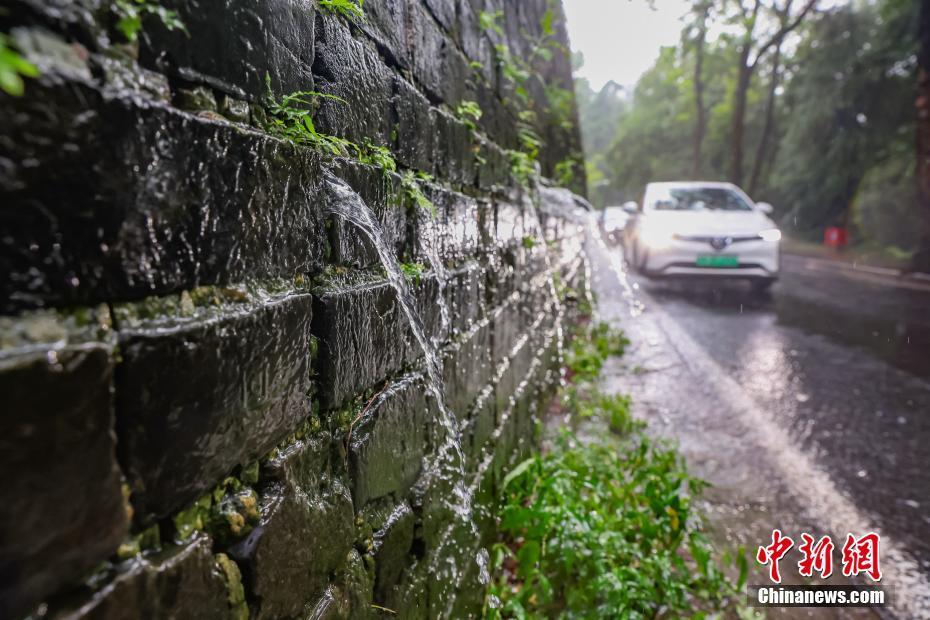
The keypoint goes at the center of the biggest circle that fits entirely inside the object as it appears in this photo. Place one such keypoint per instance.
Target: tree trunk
(738, 116)
(700, 121)
(921, 258)
(769, 122)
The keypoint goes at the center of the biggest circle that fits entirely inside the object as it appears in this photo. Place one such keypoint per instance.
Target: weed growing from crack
(377, 156)
(13, 68)
(413, 271)
(469, 112)
(350, 9)
(291, 118)
(590, 350)
(130, 12)
(410, 181)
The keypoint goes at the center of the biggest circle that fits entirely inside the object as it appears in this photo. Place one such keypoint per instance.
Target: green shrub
(590, 350)
(884, 208)
(603, 531)
(613, 408)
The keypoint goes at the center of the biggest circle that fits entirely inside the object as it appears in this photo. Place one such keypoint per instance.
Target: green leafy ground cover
(603, 524)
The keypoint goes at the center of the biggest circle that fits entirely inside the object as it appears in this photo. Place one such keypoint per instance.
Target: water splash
(484, 577)
(431, 250)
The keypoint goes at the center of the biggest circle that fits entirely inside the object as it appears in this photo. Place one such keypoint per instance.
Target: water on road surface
(807, 409)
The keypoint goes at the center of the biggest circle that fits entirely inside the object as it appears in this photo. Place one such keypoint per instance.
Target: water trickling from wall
(448, 464)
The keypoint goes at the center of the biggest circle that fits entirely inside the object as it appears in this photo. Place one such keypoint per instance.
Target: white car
(702, 229)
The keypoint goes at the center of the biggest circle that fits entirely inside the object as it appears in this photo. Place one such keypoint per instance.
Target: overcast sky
(620, 39)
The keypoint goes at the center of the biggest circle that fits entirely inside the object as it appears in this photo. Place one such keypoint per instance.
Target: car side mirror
(631, 207)
(765, 207)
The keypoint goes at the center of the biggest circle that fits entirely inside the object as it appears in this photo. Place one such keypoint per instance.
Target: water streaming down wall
(221, 395)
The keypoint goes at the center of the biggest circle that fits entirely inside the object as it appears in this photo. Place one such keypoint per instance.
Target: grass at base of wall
(602, 524)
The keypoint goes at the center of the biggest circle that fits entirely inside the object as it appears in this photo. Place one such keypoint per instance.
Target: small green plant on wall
(410, 181)
(350, 9)
(291, 118)
(13, 68)
(130, 13)
(413, 271)
(469, 112)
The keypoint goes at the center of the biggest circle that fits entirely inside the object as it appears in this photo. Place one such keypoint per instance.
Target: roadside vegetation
(603, 524)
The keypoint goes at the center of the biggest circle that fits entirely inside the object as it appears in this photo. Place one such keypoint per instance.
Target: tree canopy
(827, 130)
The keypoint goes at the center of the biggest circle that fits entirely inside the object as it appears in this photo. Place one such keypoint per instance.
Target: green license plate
(717, 260)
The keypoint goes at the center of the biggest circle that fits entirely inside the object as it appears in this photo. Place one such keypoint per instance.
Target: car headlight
(656, 238)
(770, 234)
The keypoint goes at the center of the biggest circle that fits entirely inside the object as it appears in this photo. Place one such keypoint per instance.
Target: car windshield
(695, 199)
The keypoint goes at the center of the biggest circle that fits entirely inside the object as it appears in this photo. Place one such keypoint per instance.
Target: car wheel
(638, 259)
(762, 285)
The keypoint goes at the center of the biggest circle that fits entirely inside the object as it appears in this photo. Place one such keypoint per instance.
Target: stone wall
(214, 403)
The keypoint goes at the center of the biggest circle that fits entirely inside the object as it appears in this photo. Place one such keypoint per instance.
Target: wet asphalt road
(808, 408)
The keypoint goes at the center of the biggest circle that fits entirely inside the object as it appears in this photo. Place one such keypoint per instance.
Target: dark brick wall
(213, 405)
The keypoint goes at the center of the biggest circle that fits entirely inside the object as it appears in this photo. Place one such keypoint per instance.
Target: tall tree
(921, 258)
(701, 12)
(768, 124)
(749, 15)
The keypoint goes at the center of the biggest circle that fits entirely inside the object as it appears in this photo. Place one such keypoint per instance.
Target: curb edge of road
(895, 274)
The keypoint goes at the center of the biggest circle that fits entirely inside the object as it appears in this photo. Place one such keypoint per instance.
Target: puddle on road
(897, 330)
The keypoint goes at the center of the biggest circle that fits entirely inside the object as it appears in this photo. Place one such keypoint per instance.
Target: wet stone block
(444, 11)
(415, 139)
(63, 510)
(182, 581)
(351, 69)
(508, 323)
(350, 594)
(305, 533)
(393, 544)
(437, 65)
(448, 541)
(471, 35)
(410, 597)
(233, 44)
(389, 442)
(366, 336)
(456, 149)
(522, 360)
(509, 223)
(496, 168)
(481, 425)
(466, 297)
(386, 24)
(107, 199)
(232, 381)
(455, 234)
(467, 369)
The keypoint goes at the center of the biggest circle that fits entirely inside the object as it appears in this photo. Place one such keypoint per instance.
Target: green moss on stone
(250, 473)
(193, 518)
(239, 609)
